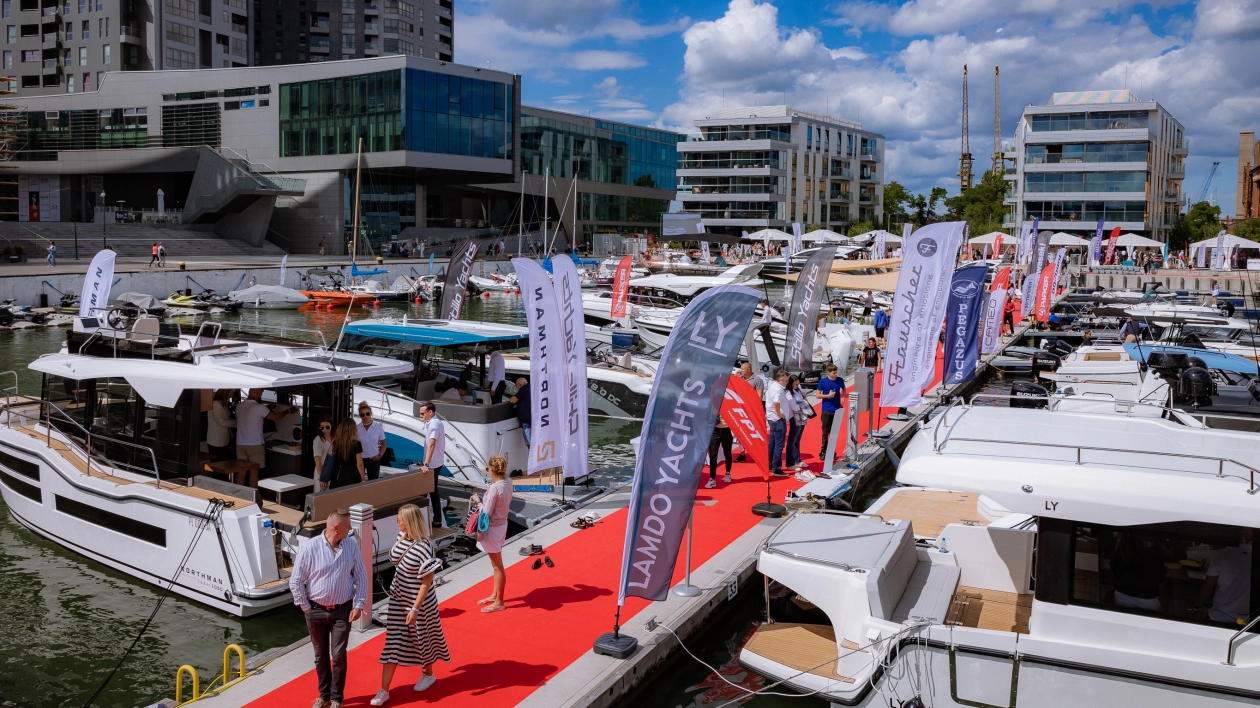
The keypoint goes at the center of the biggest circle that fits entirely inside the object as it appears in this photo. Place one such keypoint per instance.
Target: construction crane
(998, 163)
(1207, 184)
(964, 159)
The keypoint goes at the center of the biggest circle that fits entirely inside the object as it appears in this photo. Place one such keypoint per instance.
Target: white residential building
(1097, 154)
(768, 166)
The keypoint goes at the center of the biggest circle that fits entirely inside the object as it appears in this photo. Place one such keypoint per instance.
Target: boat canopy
(1211, 357)
(485, 336)
(355, 272)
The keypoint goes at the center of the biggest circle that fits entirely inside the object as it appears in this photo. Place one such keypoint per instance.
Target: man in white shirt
(460, 392)
(777, 412)
(372, 438)
(1228, 584)
(434, 453)
(250, 414)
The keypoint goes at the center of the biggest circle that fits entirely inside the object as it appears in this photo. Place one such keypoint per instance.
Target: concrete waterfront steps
(128, 240)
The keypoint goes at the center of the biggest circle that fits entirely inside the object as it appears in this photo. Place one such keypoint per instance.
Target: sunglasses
(365, 414)
(325, 427)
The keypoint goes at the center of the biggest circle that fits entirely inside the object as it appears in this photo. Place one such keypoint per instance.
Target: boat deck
(809, 648)
(990, 609)
(930, 511)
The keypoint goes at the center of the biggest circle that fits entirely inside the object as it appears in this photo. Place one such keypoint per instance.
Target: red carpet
(554, 614)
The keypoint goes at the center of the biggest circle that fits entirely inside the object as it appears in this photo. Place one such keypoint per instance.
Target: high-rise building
(769, 166)
(67, 46)
(1091, 155)
(299, 31)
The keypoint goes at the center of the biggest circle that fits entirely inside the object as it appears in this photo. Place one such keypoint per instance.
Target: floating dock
(537, 653)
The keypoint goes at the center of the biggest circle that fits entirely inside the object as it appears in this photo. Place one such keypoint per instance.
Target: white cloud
(602, 60)
(1202, 68)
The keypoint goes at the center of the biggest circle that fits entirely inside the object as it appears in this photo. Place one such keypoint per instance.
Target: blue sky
(894, 66)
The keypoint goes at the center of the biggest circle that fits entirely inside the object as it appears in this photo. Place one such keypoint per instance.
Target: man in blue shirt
(881, 323)
(831, 393)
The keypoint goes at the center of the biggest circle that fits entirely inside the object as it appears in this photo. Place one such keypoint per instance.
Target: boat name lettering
(203, 576)
(1052, 505)
(603, 393)
(568, 316)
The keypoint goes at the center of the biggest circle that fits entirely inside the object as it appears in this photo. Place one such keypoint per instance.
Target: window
(28, 5)
(70, 31)
(1133, 212)
(83, 54)
(7, 9)
(239, 47)
(178, 59)
(1086, 152)
(182, 8)
(86, 31)
(1091, 121)
(114, 522)
(30, 81)
(347, 41)
(87, 81)
(8, 59)
(30, 30)
(84, 6)
(398, 7)
(191, 125)
(176, 32)
(11, 36)
(1085, 182)
(105, 53)
(102, 27)
(66, 58)
(809, 136)
(397, 46)
(406, 29)
(30, 55)
(70, 84)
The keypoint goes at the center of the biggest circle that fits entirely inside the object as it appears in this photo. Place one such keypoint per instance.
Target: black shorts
(866, 311)
(879, 332)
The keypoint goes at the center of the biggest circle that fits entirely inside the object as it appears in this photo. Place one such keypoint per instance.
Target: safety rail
(242, 327)
(765, 545)
(1200, 416)
(47, 407)
(1229, 649)
(10, 390)
(942, 419)
(389, 409)
(122, 335)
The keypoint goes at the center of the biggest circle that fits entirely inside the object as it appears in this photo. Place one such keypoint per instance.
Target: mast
(575, 215)
(546, 209)
(358, 180)
(964, 158)
(520, 229)
(998, 162)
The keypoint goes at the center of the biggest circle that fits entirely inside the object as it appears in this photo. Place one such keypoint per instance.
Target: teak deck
(804, 647)
(930, 511)
(990, 609)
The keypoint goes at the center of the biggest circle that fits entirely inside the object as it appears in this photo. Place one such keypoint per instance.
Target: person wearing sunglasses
(372, 438)
(323, 447)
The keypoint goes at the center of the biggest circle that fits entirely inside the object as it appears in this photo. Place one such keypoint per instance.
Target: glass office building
(615, 153)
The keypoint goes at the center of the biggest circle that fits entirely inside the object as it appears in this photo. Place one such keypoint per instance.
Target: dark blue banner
(458, 271)
(674, 443)
(807, 297)
(962, 324)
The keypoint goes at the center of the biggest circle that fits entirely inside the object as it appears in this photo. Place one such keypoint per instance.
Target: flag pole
(687, 589)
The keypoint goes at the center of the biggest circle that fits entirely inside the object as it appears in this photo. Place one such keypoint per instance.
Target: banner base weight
(616, 645)
(768, 510)
(686, 590)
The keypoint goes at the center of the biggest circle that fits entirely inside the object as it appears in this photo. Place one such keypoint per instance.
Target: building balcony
(444, 11)
(1182, 148)
(1084, 166)
(743, 194)
(869, 178)
(52, 64)
(842, 174)
(1084, 196)
(371, 8)
(1176, 172)
(319, 27)
(869, 155)
(240, 29)
(1008, 220)
(371, 28)
(444, 45)
(868, 200)
(732, 214)
(841, 197)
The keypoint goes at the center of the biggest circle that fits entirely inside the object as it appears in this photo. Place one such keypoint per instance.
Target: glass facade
(610, 152)
(328, 116)
(1088, 212)
(1085, 152)
(609, 207)
(728, 160)
(387, 205)
(762, 184)
(459, 116)
(1112, 120)
(1085, 182)
(191, 125)
(747, 132)
(46, 132)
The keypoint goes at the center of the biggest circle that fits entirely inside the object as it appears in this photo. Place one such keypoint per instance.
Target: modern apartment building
(1097, 154)
(67, 46)
(298, 31)
(270, 152)
(762, 167)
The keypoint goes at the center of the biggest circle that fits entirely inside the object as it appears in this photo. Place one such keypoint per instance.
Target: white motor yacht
(269, 297)
(1046, 558)
(108, 460)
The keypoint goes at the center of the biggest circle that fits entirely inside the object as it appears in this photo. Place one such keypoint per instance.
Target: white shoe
(425, 681)
(591, 516)
(710, 484)
(727, 479)
(381, 698)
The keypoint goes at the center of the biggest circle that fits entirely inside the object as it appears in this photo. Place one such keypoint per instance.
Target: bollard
(361, 523)
(181, 265)
(179, 684)
(851, 448)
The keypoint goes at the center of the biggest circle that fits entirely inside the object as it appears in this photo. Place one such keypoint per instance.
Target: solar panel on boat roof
(348, 363)
(281, 366)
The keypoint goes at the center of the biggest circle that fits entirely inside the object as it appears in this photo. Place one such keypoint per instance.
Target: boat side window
(1183, 571)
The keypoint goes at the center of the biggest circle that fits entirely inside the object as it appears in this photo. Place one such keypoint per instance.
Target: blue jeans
(778, 438)
(52, 259)
(525, 433)
(795, 431)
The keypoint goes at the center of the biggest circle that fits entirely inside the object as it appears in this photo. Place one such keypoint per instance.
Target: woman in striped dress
(414, 637)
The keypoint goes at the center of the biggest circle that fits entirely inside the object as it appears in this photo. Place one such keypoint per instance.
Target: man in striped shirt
(330, 584)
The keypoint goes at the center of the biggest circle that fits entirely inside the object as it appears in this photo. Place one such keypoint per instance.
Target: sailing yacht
(1044, 558)
(107, 460)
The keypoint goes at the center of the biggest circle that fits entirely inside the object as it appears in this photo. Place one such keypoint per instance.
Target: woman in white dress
(496, 505)
(413, 637)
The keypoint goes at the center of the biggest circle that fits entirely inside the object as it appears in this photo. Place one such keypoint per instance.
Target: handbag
(474, 521)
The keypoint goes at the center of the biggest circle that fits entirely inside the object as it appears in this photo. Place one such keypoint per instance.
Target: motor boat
(495, 282)
(1127, 525)
(607, 272)
(269, 297)
(428, 287)
(370, 290)
(205, 300)
(135, 304)
(109, 459)
(327, 288)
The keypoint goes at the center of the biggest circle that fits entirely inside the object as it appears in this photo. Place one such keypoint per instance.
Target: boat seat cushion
(886, 581)
(928, 592)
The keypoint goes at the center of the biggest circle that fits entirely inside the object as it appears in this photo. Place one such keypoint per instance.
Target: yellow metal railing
(179, 684)
(224, 679)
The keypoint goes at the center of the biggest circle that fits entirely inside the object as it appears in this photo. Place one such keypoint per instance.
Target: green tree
(858, 228)
(981, 206)
(813, 227)
(925, 206)
(897, 201)
(1201, 222)
(1249, 230)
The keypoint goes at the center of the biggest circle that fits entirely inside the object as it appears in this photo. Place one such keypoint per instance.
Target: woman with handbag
(345, 466)
(414, 637)
(801, 412)
(493, 531)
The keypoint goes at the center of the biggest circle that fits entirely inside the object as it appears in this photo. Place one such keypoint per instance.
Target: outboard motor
(1168, 365)
(1196, 387)
(1059, 347)
(1196, 361)
(1226, 308)
(1044, 361)
(1027, 394)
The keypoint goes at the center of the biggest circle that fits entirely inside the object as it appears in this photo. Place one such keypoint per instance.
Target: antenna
(964, 159)
(998, 163)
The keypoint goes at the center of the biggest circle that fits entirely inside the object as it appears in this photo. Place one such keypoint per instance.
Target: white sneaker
(425, 681)
(710, 484)
(591, 516)
(727, 479)
(382, 697)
